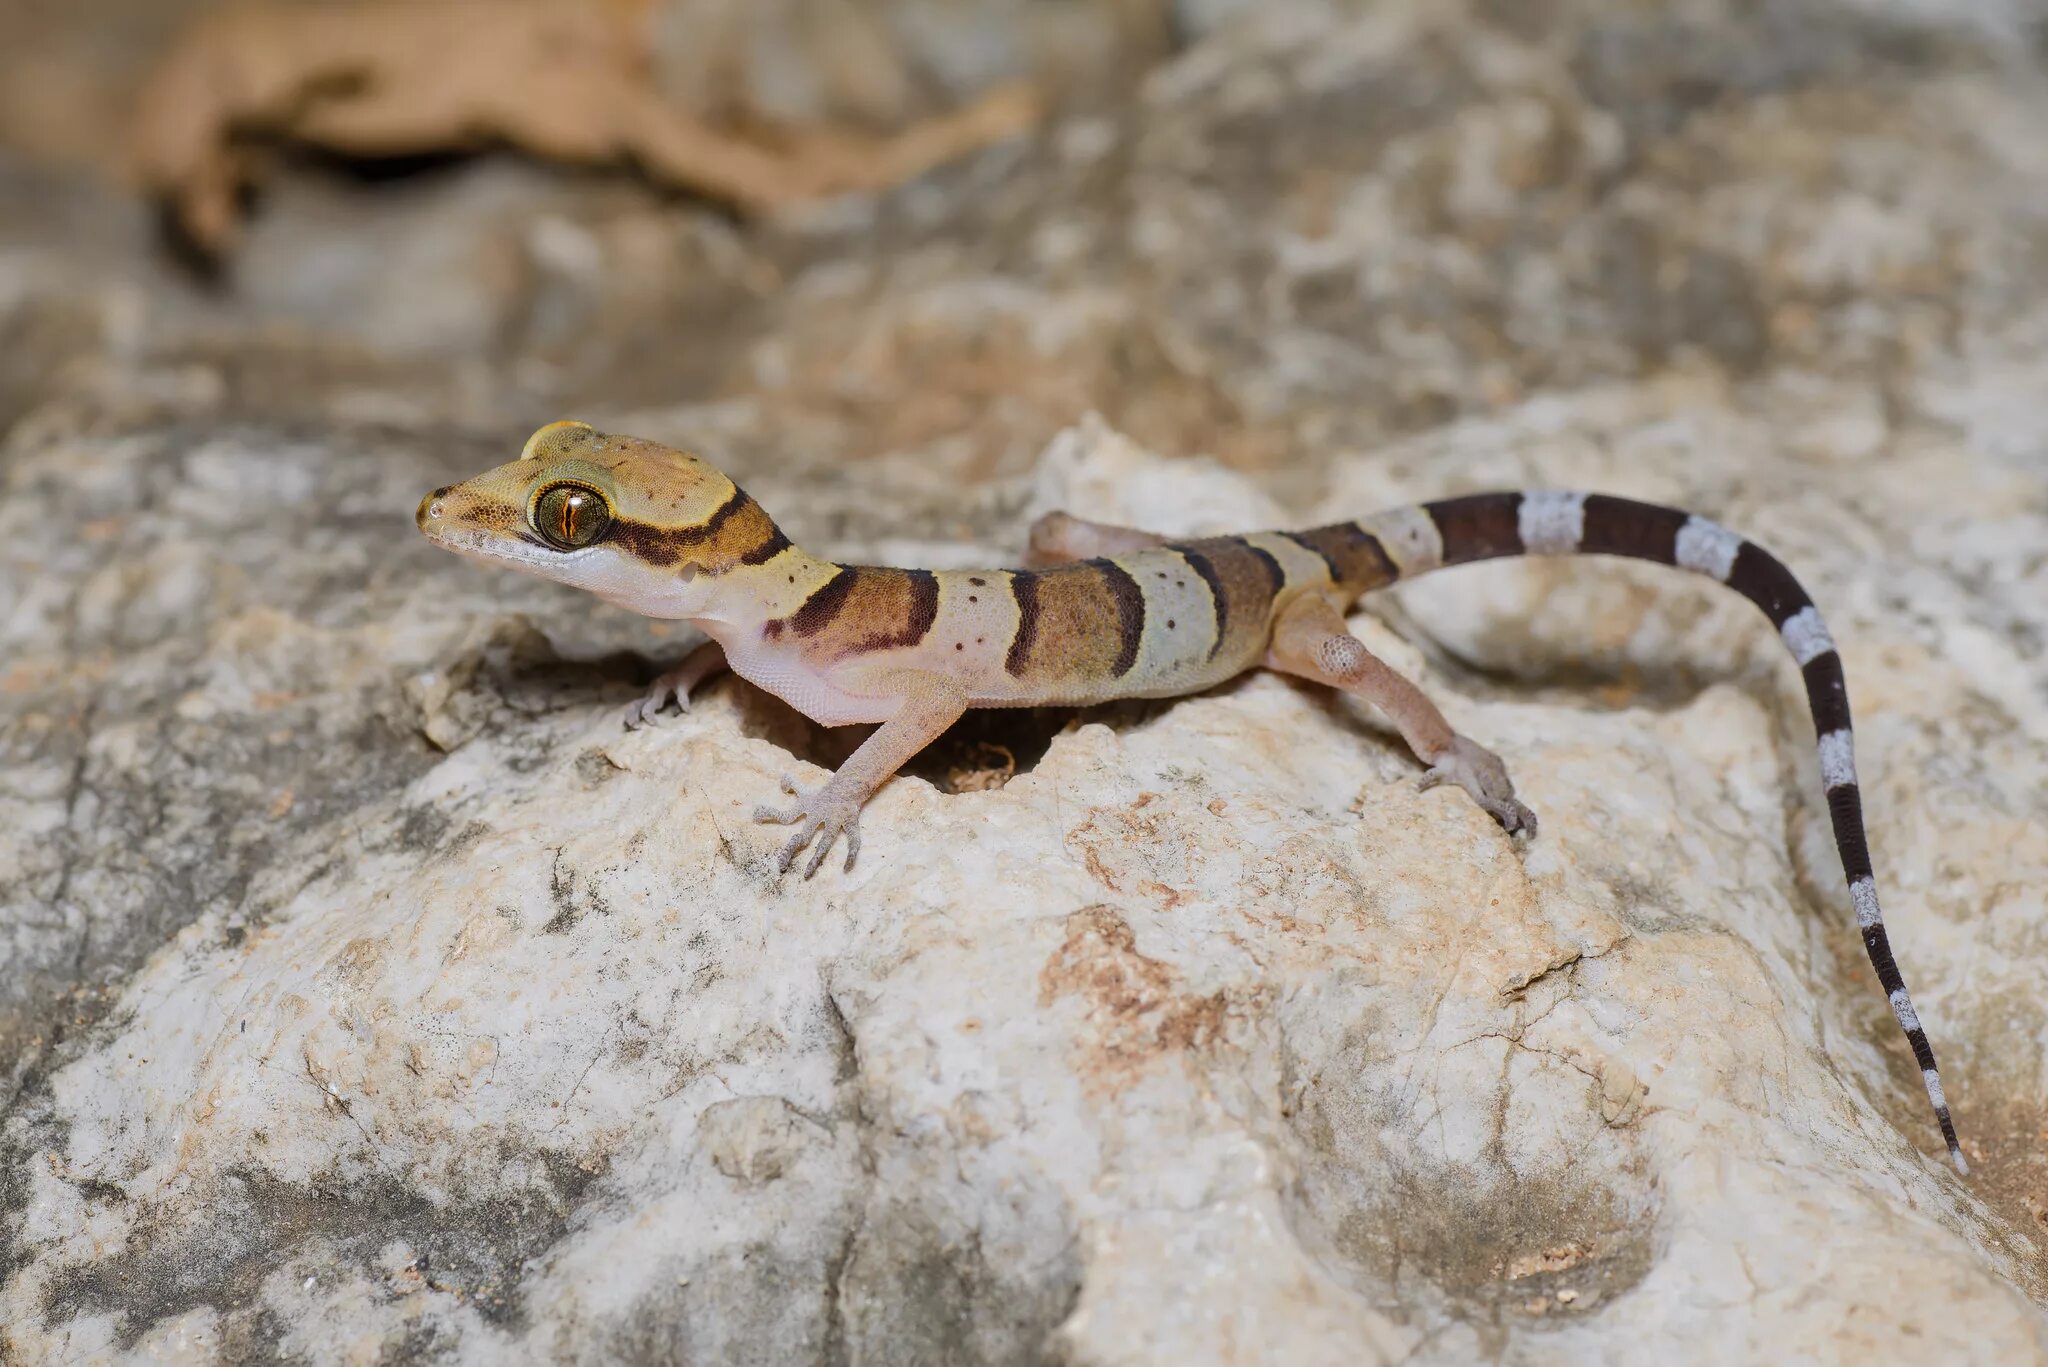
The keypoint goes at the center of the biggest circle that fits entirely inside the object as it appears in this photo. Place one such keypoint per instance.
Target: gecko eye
(570, 516)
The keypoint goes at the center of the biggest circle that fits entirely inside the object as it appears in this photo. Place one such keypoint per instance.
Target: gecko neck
(739, 602)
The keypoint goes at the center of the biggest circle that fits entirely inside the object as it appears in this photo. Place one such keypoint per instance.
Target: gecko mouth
(526, 552)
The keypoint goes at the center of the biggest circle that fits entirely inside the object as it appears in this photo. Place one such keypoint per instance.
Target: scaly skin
(664, 533)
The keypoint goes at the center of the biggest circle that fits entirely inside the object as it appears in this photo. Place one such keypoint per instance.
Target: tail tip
(1955, 1154)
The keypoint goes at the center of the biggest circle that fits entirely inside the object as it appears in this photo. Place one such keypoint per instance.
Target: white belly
(785, 675)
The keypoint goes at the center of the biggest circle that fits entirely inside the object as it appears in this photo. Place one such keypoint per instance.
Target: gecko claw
(820, 816)
(1482, 775)
(646, 709)
(674, 685)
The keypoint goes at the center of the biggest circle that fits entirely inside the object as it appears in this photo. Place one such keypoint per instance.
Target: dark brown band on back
(1307, 543)
(910, 596)
(1199, 563)
(1274, 572)
(1130, 614)
(819, 609)
(1354, 555)
(1024, 589)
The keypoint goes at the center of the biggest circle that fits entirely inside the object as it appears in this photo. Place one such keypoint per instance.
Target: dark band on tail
(1459, 531)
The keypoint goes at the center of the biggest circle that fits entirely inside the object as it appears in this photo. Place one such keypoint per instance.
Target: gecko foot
(1480, 773)
(821, 814)
(646, 709)
(675, 684)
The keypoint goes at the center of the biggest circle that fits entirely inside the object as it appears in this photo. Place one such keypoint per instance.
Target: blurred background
(1250, 230)
(482, 210)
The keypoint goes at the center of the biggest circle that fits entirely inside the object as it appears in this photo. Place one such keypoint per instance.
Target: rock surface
(370, 994)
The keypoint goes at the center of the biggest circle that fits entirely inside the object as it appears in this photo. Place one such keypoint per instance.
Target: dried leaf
(561, 79)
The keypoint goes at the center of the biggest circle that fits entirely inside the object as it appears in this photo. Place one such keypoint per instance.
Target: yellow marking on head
(550, 437)
(632, 520)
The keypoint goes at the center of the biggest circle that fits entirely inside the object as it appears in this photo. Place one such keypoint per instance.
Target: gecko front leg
(930, 704)
(699, 665)
(1311, 641)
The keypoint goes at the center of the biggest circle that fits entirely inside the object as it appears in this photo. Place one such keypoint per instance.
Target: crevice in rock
(985, 749)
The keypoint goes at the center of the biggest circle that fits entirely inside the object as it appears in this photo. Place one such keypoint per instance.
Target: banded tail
(1413, 540)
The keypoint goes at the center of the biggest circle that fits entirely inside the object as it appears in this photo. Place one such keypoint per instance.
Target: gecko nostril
(429, 510)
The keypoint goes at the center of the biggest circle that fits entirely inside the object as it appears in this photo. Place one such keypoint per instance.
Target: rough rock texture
(369, 994)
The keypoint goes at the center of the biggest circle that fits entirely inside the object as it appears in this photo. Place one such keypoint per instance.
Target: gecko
(1101, 612)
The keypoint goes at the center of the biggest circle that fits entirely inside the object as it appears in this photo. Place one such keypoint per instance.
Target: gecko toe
(1515, 818)
(646, 709)
(1525, 822)
(1482, 775)
(783, 816)
(792, 847)
(820, 819)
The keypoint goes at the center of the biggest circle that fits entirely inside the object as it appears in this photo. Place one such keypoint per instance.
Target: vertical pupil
(569, 516)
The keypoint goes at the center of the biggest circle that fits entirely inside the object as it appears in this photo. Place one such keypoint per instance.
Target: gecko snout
(429, 515)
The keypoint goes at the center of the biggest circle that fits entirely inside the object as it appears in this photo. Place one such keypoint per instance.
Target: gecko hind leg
(1311, 641)
(1059, 537)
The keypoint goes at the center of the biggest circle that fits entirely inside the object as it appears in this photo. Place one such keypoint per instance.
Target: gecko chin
(533, 558)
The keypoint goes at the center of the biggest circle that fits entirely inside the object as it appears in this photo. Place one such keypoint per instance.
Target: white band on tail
(1902, 1007)
(1706, 548)
(1837, 759)
(1806, 636)
(1552, 522)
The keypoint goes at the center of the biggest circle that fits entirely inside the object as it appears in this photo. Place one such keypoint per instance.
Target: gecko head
(637, 523)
